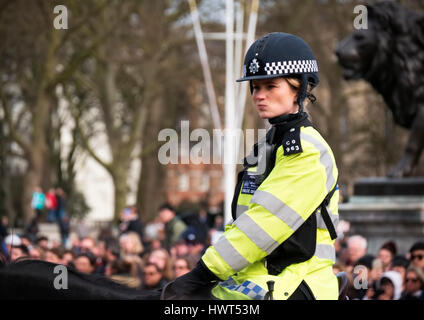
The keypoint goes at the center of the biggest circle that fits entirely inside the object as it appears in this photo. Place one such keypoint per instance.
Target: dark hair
(41, 238)
(91, 258)
(23, 248)
(390, 246)
(120, 266)
(166, 206)
(400, 261)
(417, 246)
(155, 265)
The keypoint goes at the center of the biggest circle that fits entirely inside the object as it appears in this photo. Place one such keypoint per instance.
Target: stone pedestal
(384, 209)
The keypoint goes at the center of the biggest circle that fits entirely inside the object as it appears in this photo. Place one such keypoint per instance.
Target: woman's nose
(258, 94)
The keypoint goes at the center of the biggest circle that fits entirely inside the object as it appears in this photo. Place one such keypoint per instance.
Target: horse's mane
(34, 279)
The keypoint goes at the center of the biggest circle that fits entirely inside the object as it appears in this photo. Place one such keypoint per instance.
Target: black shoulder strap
(326, 216)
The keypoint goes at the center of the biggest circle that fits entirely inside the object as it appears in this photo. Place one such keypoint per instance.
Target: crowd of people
(138, 256)
(53, 204)
(386, 276)
(148, 257)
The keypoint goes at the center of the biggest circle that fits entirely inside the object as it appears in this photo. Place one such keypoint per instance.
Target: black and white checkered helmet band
(289, 67)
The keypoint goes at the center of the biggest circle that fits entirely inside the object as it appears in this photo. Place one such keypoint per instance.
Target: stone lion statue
(390, 56)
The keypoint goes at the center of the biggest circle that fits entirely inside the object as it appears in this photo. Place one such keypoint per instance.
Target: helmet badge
(254, 66)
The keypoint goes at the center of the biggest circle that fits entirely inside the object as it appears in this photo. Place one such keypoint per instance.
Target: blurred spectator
(4, 222)
(389, 286)
(339, 267)
(195, 246)
(131, 244)
(163, 260)
(61, 204)
(174, 227)
(112, 250)
(217, 229)
(81, 230)
(86, 244)
(42, 242)
(179, 250)
(130, 222)
(152, 277)
(131, 250)
(54, 256)
(356, 249)
(120, 271)
(377, 269)
(414, 284)
(85, 262)
(17, 252)
(12, 240)
(64, 229)
(31, 230)
(154, 234)
(51, 205)
(417, 254)
(67, 258)
(38, 202)
(36, 253)
(361, 278)
(400, 264)
(386, 254)
(181, 267)
(197, 222)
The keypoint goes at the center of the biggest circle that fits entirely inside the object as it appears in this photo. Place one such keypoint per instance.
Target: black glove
(198, 278)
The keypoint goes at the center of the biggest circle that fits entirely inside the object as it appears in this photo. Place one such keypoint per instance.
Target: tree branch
(85, 144)
(12, 129)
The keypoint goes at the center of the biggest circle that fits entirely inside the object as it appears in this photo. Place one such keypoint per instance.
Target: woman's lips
(261, 107)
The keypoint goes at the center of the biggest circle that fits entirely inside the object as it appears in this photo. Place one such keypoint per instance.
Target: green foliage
(76, 205)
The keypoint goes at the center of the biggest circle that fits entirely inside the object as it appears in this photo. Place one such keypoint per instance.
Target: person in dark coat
(130, 222)
(153, 278)
(174, 226)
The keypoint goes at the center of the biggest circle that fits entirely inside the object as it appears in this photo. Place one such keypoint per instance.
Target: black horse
(35, 280)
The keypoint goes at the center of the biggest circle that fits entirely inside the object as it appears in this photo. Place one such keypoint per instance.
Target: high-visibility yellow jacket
(289, 195)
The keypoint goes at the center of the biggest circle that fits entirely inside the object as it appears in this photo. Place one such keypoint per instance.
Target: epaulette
(291, 141)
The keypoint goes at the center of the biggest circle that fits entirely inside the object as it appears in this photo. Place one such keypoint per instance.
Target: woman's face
(274, 97)
(385, 256)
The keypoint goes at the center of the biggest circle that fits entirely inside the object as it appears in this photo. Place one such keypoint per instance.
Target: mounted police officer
(285, 206)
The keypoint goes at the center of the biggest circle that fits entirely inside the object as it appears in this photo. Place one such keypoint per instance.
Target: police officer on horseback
(285, 205)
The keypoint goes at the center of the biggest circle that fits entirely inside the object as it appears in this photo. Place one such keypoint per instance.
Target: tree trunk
(31, 181)
(119, 177)
(152, 182)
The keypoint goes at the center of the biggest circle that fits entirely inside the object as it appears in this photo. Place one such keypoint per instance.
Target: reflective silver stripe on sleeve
(241, 209)
(255, 233)
(231, 256)
(278, 208)
(334, 219)
(325, 251)
(325, 158)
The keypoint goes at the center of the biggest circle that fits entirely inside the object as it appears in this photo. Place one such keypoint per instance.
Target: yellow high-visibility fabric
(292, 191)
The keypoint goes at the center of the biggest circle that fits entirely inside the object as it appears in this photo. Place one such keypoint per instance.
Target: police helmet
(281, 54)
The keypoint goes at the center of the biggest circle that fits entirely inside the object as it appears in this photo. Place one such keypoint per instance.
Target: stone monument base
(384, 209)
